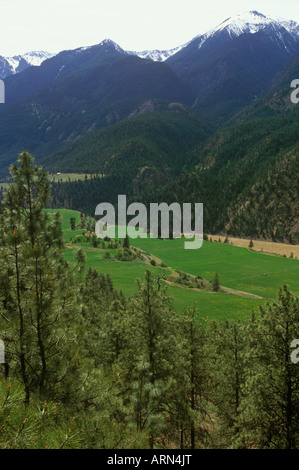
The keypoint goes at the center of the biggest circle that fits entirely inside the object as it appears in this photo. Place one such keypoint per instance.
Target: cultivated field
(248, 278)
(65, 177)
(262, 246)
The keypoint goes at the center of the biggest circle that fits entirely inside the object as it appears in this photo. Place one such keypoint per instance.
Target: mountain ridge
(247, 22)
(18, 63)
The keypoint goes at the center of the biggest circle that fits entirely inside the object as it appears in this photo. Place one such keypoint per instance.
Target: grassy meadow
(249, 278)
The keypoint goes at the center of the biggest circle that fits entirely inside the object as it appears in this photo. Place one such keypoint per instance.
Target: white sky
(55, 25)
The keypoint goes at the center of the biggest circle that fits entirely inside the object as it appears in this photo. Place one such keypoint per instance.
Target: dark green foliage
(126, 242)
(194, 410)
(269, 411)
(258, 184)
(38, 306)
(73, 223)
(153, 353)
(215, 283)
(229, 348)
(125, 254)
(162, 138)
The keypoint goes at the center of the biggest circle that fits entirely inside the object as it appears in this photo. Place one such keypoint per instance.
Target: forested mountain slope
(103, 91)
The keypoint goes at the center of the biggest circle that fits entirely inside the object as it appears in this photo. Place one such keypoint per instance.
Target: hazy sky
(55, 25)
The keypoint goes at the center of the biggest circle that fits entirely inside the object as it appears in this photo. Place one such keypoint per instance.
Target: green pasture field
(62, 178)
(124, 275)
(239, 269)
(65, 177)
(66, 215)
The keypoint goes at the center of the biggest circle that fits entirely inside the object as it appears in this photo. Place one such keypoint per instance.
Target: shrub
(79, 239)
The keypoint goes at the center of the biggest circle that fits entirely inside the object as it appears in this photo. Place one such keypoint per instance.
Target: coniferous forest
(87, 367)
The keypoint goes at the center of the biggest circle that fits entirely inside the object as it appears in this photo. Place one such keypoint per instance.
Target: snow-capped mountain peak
(157, 55)
(112, 45)
(18, 63)
(37, 57)
(250, 22)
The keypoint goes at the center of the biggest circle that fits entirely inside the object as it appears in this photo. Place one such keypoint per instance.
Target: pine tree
(215, 283)
(151, 357)
(43, 324)
(228, 350)
(73, 223)
(195, 361)
(269, 415)
(104, 314)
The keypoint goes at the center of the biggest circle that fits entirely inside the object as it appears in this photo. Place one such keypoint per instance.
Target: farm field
(262, 246)
(251, 278)
(238, 268)
(65, 177)
(61, 178)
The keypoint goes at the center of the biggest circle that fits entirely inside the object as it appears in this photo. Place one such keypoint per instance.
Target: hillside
(235, 63)
(139, 154)
(278, 98)
(102, 91)
(244, 175)
(241, 173)
(158, 135)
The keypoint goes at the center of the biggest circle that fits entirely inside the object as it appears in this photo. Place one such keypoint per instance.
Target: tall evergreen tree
(39, 306)
(195, 361)
(152, 356)
(215, 283)
(269, 415)
(228, 350)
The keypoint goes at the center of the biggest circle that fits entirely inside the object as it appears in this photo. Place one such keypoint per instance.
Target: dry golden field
(262, 246)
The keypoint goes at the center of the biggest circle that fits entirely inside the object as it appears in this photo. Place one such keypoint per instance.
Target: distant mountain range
(209, 121)
(18, 63)
(235, 63)
(250, 22)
